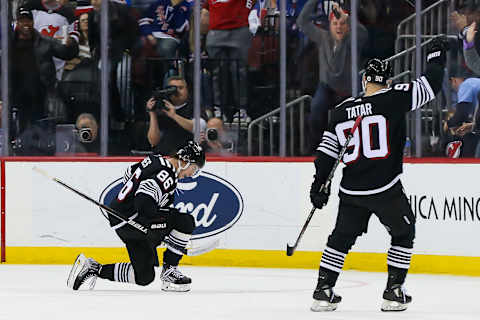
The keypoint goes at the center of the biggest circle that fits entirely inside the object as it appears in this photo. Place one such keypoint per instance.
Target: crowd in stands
(461, 126)
(55, 69)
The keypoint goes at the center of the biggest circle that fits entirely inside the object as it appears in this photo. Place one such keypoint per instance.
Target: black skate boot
(174, 280)
(395, 298)
(84, 270)
(324, 299)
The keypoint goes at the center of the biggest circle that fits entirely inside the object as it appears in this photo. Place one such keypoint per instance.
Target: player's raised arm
(436, 59)
(413, 95)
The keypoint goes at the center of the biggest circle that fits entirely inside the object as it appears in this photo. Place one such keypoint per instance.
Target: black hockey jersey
(374, 155)
(154, 177)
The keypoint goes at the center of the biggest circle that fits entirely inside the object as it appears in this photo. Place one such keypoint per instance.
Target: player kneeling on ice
(147, 198)
(371, 177)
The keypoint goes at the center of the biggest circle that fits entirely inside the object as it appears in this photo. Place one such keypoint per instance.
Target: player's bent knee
(185, 223)
(145, 279)
(404, 237)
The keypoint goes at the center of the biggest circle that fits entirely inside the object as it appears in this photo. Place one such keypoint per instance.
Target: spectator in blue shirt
(461, 126)
(164, 24)
(467, 88)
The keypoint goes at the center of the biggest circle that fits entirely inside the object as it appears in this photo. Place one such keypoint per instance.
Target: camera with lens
(86, 128)
(212, 134)
(163, 94)
(85, 135)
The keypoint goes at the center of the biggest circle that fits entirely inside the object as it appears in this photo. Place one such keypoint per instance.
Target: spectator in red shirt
(229, 38)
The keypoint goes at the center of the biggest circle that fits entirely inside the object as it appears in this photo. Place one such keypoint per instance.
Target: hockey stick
(136, 225)
(325, 186)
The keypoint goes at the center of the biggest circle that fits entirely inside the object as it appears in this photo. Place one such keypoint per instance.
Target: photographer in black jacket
(171, 117)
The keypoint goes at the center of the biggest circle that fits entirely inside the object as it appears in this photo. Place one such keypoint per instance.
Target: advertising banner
(246, 205)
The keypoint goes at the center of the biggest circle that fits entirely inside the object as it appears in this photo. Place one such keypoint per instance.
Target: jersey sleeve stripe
(127, 175)
(329, 144)
(168, 164)
(428, 87)
(422, 93)
(328, 134)
(150, 188)
(162, 161)
(328, 147)
(149, 191)
(329, 141)
(328, 152)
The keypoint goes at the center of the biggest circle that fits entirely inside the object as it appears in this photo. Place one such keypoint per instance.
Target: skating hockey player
(371, 178)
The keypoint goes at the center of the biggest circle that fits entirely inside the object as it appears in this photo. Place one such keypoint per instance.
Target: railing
(271, 118)
(434, 21)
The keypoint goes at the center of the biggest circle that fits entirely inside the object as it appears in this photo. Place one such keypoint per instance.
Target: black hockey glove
(319, 198)
(437, 50)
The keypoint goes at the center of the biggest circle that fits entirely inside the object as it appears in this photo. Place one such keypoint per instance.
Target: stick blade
(203, 249)
(42, 172)
(290, 250)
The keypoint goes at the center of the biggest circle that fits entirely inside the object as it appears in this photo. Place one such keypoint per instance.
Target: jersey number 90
(363, 138)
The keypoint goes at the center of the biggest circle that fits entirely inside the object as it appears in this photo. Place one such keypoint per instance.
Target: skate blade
(76, 268)
(172, 287)
(388, 306)
(323, 306)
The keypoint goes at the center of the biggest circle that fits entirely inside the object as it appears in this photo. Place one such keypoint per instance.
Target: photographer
(87, 132)
(215, 140)
(171, 117)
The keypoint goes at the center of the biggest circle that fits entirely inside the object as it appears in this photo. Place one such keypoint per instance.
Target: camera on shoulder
(161, 94)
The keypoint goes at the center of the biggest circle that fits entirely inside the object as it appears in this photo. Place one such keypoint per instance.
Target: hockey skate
(324, 299)
(395, 298)
(174, 280)
(84, 271)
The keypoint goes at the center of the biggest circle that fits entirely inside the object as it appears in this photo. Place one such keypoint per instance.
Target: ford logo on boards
(214, 202)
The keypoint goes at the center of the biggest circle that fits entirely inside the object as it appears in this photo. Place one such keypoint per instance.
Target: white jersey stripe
(422, 93)
(373, 191)
(329, 145)
(151, 188)
(328, 134)
(328, 152)
(162, 161)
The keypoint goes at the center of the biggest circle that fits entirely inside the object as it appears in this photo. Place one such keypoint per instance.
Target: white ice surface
(40, 292)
